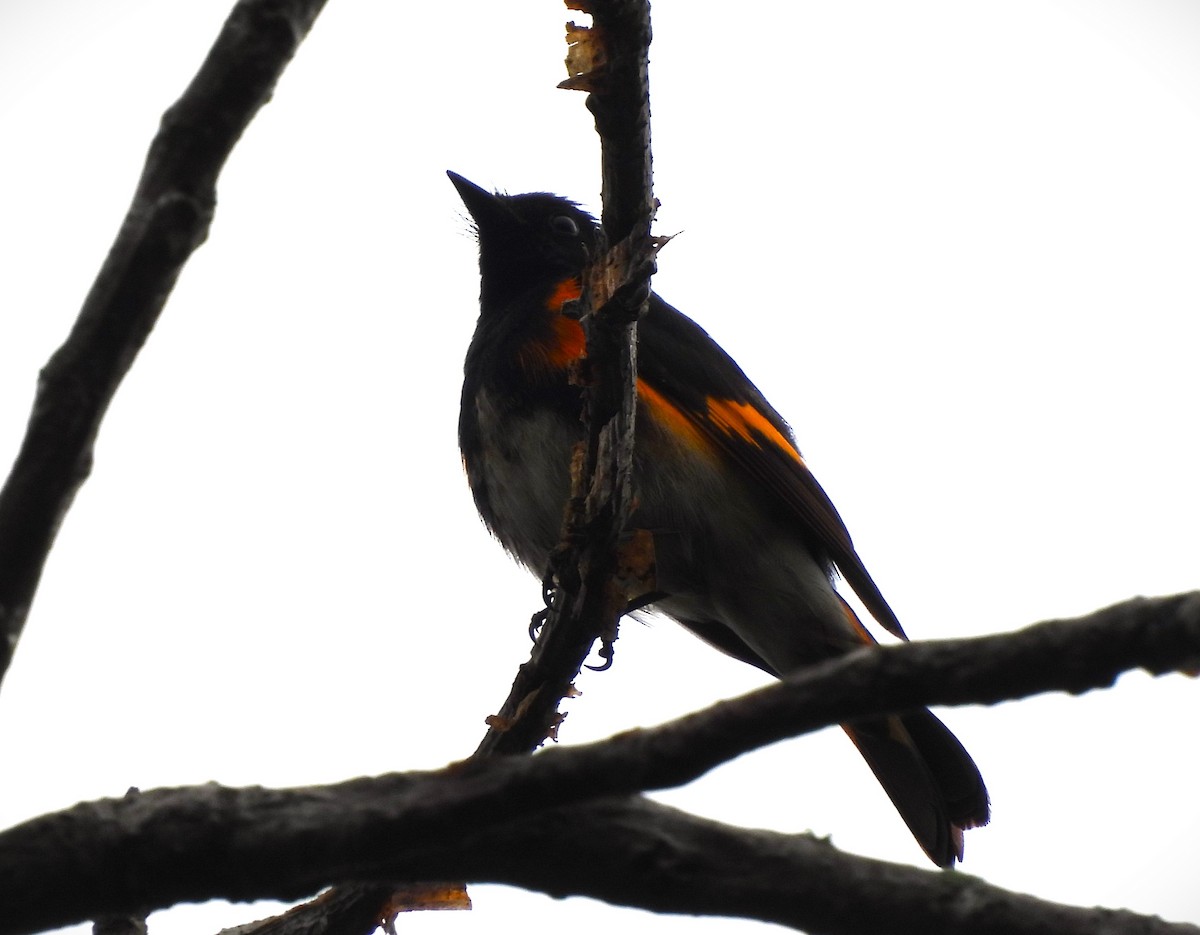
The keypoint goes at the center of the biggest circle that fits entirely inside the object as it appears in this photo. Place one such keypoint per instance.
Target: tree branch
(528, 821)
(628, 851)
(638, 853)
(168, 219)
(585, 605)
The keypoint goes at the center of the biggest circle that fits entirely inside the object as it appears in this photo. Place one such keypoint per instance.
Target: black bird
(746, 541)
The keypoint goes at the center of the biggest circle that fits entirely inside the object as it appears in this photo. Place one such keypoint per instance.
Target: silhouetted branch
(638, 853)
(628, 851)
(168, 219)
(528, 821)
(617, 285)
(584, 606)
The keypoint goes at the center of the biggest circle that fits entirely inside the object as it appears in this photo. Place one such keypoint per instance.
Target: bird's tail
(930, 778)
(926, 772)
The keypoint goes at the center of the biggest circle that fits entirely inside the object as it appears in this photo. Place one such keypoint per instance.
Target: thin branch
(585, 605)
(347, 908)
(168, 219)
(1158, 635)
(495, 819)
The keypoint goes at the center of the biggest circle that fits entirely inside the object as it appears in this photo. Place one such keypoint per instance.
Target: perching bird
(745, 540)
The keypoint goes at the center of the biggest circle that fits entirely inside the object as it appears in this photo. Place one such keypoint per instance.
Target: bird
(746, 542)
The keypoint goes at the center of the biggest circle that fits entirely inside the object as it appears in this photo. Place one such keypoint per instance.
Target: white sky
(955, 243)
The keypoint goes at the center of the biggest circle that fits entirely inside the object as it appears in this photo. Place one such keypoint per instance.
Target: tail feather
(953, 770)
(929, 777)
(926, 772)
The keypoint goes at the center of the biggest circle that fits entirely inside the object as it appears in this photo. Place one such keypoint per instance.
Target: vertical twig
(610, 61)
(586, 606)
(614, 72)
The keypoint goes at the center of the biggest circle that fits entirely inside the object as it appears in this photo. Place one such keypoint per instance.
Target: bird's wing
(687, 382)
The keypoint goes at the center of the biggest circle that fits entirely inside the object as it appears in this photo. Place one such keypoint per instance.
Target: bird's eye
(564, 225)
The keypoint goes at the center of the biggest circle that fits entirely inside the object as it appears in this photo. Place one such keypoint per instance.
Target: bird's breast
(518, 465)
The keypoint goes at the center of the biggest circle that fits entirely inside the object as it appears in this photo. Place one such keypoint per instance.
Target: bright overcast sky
(954, 242)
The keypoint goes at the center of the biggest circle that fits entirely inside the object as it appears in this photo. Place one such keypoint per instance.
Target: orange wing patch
(674, 419)
(743, 420)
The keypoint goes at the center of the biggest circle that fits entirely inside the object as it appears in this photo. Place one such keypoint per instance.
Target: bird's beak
(482, 204)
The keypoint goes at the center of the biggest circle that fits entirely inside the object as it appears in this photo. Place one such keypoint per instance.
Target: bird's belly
(520, 476)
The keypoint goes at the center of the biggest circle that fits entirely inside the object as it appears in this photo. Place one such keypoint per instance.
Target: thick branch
(495, 819)
(168, 219)
(628, 851)
(638, 853)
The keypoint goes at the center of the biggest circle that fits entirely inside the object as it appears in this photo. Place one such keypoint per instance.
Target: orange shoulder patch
(569, 342)
(566, 291)
(563, 344)
(564, 341)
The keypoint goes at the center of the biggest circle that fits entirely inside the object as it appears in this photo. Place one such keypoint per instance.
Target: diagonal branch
(168, 219)
(528, 821)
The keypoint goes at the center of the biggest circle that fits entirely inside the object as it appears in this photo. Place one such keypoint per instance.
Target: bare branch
(349, 908)
(518, 820)
(168, 219)
(585, 606)
(627, 850)
(638, 853)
